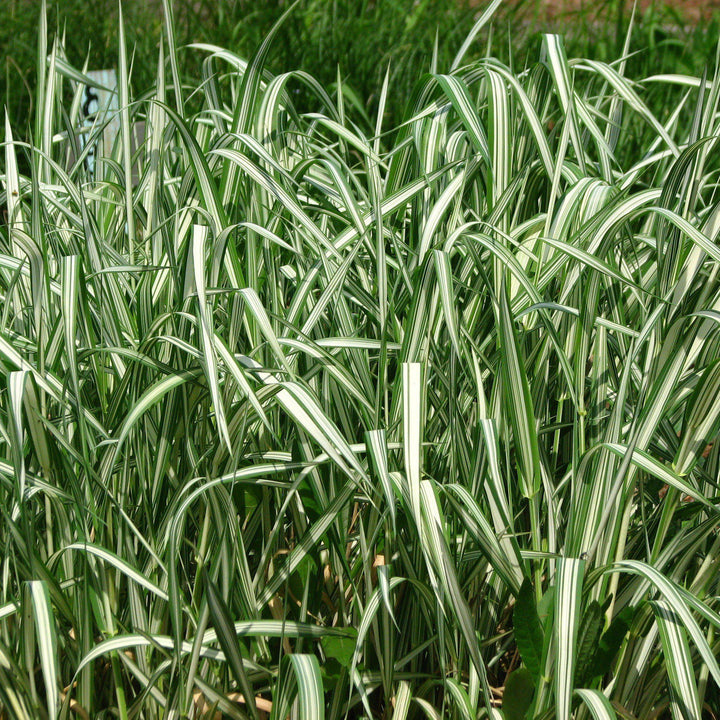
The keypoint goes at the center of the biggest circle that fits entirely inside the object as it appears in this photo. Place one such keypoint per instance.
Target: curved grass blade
(46, 636)
(598, 705)
(684, 697)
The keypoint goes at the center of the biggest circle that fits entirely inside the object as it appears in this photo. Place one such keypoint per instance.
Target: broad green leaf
(528, 630)
(591, 628)
(518, 695)
(340, 648)
(610, 643)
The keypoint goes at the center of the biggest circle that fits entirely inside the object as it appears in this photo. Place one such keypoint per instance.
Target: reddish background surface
(690, 10)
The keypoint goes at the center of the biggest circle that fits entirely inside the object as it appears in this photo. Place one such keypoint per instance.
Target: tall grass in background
(358, 39)
(303, 417)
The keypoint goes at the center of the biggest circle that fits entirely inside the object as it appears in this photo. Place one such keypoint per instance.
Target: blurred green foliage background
(355, 39)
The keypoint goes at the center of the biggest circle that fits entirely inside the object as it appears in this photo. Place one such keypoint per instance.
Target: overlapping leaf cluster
(303, 417)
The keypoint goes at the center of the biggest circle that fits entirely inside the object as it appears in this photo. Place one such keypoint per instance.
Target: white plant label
(100, 106)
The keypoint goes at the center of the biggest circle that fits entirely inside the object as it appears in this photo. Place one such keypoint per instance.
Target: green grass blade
(568, 593)
(46, 635)
(598, 705)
